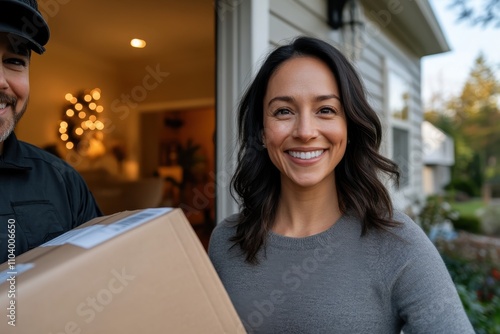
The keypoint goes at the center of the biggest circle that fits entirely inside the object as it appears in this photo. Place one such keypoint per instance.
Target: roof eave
(412, 23)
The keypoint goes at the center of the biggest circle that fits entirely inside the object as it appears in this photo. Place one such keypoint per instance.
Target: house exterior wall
(435, 178)
(438, 147)
(438, 157)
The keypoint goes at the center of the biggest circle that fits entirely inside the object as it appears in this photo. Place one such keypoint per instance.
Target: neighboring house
(387, 52)
(438, 158)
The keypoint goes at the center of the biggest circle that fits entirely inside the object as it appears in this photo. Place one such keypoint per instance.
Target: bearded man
(41, 196)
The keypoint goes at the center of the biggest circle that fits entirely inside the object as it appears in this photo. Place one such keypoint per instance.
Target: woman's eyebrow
(281, 98)
(327, 97)
(291, 99)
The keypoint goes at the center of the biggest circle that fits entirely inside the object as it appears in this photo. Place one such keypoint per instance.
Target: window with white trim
(399, 114)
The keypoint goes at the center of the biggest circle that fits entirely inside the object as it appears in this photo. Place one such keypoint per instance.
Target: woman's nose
(305, 127)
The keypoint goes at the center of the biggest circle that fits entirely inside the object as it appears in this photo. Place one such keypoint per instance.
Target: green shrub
(436, 210)
(467, 223)
(478, 285)
(464, 185)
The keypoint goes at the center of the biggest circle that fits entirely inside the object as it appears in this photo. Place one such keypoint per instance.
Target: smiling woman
(308, 98)
(317, 246)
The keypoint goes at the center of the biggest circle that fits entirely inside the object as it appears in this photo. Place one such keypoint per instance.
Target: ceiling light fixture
(138, 43)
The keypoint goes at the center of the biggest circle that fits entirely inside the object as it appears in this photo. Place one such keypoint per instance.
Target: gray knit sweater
(340, 282)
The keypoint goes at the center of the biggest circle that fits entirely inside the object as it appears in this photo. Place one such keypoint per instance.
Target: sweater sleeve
(424, 294)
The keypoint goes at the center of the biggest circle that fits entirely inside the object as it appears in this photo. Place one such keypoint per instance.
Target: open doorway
(89, 48)
(178, 146)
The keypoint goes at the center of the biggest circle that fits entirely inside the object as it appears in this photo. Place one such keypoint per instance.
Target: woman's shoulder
(405, 237)
(406, 228)
(223, 232)
(227, 225)
(405, 223)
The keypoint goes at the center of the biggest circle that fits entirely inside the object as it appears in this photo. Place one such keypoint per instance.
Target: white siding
(388, 54)
(291, 18)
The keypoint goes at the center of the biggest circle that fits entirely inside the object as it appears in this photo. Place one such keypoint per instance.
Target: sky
(447, 72)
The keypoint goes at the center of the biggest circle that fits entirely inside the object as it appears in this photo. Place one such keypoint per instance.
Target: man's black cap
(21, 18)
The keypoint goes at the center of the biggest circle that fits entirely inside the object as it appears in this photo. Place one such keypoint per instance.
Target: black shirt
(41, 197)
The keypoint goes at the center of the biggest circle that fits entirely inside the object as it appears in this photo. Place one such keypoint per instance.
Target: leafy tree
(487, 13)
(472, 119)
(477, 109)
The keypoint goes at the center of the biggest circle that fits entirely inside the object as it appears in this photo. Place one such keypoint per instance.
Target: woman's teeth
(306, 155)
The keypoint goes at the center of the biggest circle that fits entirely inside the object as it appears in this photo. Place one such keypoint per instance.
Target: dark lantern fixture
(337, 17)
(346, 17)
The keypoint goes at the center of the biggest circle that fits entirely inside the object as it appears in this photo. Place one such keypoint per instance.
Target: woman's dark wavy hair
(256, 182)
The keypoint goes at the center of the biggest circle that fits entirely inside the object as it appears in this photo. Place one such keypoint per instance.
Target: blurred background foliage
(461, 219)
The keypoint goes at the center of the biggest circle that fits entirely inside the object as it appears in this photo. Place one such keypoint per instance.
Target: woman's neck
(306, 211)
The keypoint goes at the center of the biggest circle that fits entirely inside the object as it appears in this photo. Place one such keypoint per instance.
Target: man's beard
(7, 124)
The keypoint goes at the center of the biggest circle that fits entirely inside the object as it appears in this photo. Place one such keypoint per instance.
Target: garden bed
(473, 262)
(472, 247)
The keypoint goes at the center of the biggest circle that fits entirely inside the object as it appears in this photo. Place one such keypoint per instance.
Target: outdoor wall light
(342, 13)
(346, 16)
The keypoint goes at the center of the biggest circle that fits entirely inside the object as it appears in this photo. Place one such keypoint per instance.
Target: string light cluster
(80, 119)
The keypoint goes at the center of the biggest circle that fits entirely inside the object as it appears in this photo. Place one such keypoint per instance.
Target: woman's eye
(327, 111)
(282, 112)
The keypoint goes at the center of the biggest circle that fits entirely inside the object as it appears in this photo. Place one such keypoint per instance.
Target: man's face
(14, 85)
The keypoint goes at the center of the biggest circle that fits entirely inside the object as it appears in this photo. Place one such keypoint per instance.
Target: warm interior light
(80, 120)
(96, 94)
(138, 43)
(99, 125)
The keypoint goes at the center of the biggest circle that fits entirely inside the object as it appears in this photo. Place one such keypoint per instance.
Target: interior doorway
(179, 146)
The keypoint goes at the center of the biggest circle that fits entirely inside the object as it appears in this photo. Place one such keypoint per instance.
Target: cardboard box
(135, 272)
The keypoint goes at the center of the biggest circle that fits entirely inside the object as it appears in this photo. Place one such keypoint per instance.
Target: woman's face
(305, 128)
